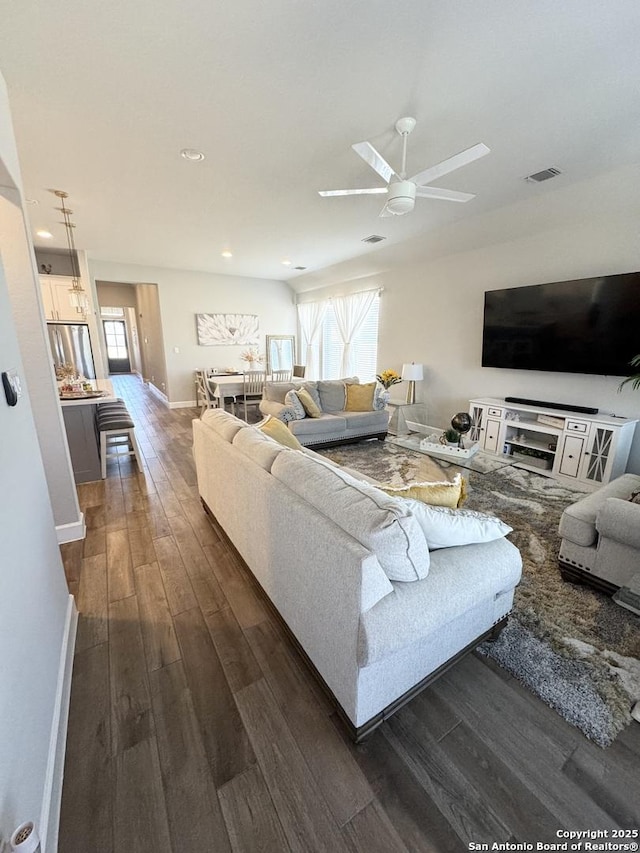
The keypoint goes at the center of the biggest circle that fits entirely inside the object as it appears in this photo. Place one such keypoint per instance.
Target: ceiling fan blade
(375, 160)
(370, 191)
(446, 195)
(452, 163)
(385, 212)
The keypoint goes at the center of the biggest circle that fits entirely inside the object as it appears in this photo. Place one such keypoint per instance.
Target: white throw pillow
(378, 402)
(445, 528)
(293, 402)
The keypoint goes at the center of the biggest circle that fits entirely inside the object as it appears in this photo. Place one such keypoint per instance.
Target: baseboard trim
(71, 531)
(158, 393)
(183, 404)
(52, 794)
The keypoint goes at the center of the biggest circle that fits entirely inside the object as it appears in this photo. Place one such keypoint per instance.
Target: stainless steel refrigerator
(70, 344)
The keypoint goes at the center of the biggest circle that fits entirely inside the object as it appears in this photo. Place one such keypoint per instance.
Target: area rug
(570, 645)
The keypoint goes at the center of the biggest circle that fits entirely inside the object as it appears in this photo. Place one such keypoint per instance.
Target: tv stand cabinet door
(492, 435)
(599, 456)
(572, 456)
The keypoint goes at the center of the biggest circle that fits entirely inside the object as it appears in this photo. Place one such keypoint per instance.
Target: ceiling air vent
(544, 175)
(375, 238)
(299, 268)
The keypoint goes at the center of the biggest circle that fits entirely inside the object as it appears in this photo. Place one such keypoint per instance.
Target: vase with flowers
(252, 358)
(387, 378)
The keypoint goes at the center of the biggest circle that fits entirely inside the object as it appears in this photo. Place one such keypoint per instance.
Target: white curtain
(351, 312)
(311, 316)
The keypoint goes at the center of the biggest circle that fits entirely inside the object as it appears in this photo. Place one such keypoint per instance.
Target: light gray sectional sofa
(348, 568)
(601, 536)
(334, 426)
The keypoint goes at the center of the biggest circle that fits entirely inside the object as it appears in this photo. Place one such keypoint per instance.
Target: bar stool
(116, 429)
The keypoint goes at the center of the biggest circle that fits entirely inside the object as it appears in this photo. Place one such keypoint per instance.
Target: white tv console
(569, 446)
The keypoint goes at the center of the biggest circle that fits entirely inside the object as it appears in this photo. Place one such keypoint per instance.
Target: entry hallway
(194, 726)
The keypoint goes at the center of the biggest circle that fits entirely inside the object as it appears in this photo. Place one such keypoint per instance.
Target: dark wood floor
(195, 727)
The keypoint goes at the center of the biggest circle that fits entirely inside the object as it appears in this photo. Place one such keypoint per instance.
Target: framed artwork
(216, 330)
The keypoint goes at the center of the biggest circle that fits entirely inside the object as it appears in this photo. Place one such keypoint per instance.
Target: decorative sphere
(461, 422)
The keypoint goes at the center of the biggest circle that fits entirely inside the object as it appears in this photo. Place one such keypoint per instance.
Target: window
(364, 347)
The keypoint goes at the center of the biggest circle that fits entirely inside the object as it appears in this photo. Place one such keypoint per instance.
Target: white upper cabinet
(57, 301)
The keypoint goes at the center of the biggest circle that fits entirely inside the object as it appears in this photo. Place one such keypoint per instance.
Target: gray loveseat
(334, 426)
(601, 536)
(328, 549)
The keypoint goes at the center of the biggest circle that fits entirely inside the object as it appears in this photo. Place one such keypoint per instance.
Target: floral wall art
(227, 329)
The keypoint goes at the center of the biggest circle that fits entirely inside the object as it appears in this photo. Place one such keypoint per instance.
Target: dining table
(223, 386)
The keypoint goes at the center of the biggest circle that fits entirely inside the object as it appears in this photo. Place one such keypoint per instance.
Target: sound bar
(584, 410)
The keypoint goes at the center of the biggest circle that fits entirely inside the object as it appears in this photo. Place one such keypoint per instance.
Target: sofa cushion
(445, 528)
(293, 402)
(578, 522)
(372, 421)
(381, 524)
(448, 493)
(277, 431)
(223, 423)
(310, 407)
(325, 424)
(459, 579)
(360, 397)
(332, 393)
(312, 388)
(258, 446)
(277, 391)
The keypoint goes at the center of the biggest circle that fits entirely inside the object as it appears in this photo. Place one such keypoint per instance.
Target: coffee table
(482, 462)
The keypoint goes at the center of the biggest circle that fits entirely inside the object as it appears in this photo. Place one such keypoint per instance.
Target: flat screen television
(590, 325)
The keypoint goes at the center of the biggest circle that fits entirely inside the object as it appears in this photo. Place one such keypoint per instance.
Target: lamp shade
(412, 372)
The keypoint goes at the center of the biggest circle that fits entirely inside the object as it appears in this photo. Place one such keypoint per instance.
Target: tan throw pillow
(308, 402)
(447, 493)
(359, 398)
(279, 432)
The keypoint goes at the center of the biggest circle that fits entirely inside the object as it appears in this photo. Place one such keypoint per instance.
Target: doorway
(115, 334)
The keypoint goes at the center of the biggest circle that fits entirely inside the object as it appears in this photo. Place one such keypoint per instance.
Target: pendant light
(77, 294)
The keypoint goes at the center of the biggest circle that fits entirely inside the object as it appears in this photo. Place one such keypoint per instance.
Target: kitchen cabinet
(57, 300)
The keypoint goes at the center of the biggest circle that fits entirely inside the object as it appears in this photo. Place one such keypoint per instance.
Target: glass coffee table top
(481, 462)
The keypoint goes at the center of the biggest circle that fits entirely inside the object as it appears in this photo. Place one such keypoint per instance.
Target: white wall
(26, 304)
(432, 310)
(34, 602)
(183, 294)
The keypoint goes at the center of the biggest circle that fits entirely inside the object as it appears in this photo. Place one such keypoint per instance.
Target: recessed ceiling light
(287, 263)
(227, 254)
(47, 235)
(192, 155)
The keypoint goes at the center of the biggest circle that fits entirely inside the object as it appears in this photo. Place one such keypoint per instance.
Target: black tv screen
(590, 325)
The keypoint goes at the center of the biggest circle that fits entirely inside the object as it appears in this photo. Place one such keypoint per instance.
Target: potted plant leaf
(634, 378)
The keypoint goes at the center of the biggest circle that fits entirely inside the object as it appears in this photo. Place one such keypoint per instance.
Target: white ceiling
(104, 96)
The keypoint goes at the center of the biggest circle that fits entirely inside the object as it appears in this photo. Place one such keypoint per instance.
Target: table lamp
(412, 373)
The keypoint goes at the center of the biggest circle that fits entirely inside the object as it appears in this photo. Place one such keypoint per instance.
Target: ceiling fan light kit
(402, 191)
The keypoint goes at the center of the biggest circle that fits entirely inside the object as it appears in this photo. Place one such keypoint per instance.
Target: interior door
(115, 333)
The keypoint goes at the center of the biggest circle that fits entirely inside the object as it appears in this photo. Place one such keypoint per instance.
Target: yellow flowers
(388, 378)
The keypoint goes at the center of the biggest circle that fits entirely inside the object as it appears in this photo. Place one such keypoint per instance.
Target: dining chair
(204, 397)
(281, 376)
(252, 388)
(298, 370)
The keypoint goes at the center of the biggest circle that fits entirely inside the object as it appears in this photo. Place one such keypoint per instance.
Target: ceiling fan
(402, 191)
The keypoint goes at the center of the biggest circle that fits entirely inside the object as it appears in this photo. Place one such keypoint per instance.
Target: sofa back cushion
(275, 392)
(382, 524)
(332, 393)
(258, 446)
(223, 423)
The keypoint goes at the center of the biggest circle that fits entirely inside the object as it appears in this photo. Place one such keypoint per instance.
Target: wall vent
(299, 268)
(375, 238)
(544, 175)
